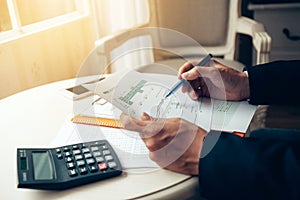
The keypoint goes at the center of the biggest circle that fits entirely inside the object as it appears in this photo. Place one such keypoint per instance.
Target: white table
(32, 118)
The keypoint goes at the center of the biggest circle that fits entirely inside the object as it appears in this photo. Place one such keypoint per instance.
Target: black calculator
(67, 166)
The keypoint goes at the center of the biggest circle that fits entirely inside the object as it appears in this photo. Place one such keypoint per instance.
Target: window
(5, 23)
(19, 17)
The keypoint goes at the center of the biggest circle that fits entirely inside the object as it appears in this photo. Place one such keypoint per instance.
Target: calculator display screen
(42, 166)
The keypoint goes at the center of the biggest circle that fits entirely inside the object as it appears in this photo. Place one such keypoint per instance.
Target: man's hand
(218, 81)
(174, 144)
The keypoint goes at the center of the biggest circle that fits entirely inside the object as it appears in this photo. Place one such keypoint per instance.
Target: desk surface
(33, 118)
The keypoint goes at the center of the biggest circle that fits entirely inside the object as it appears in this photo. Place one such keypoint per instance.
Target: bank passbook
(66, 166)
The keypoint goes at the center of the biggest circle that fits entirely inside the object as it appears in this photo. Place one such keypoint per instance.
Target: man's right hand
(216, 81)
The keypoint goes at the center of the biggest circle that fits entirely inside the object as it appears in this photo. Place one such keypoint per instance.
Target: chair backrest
(212, 23)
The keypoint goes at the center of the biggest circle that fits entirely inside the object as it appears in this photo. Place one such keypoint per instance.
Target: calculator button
(76, 152)
(97, 153)
(102, 166)
(70, 165)
(90, 161)
(58, 150)
(108, 158)
(72, 172)
(75, 147)
(68, 159)
(78, 157)
(104, 146)
(93, 168)
(87, 155)
(22, 153)
(106, 152)
(68, 154)
(85, 150)
(94, 148)
(95, 144)
(112, 164)
(99, 159)
(59, 156)
(80, 163)
(66, 149)
(83, 170)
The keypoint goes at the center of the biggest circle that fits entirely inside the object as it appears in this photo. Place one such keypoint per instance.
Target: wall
(44, 57)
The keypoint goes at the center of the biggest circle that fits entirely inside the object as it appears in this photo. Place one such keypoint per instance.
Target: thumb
(196, 72)
(191, 74)
(133, 124)
(145, 116)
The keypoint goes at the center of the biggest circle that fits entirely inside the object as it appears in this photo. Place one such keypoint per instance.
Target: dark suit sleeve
(267, 164)
(275, 83)
(263, 166)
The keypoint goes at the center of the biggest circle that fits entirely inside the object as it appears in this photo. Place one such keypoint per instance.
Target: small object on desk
(78, 91)
(183, 81)
(100, 101)
(66, 166)
(97, 121)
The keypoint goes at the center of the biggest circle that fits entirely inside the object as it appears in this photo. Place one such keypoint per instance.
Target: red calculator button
(102, 166)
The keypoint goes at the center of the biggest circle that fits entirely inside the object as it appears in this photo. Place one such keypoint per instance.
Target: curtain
(115, 15)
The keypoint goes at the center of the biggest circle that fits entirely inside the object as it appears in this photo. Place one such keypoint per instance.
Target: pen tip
(166, 96)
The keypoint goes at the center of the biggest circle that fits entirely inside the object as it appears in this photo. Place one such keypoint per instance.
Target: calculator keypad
(85, 158)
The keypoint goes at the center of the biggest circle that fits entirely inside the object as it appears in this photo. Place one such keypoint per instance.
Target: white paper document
(133, 93)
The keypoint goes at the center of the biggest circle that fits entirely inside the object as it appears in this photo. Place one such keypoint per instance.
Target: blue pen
(183, 81)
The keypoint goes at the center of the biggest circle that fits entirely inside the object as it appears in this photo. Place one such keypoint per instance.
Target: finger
(145, 116)
(186, 87)
(146, 129)
(133, 124)
(191, 74)
(185, 67)
(193, 89)
(200, 71)
(194, 94)
(205, 72)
